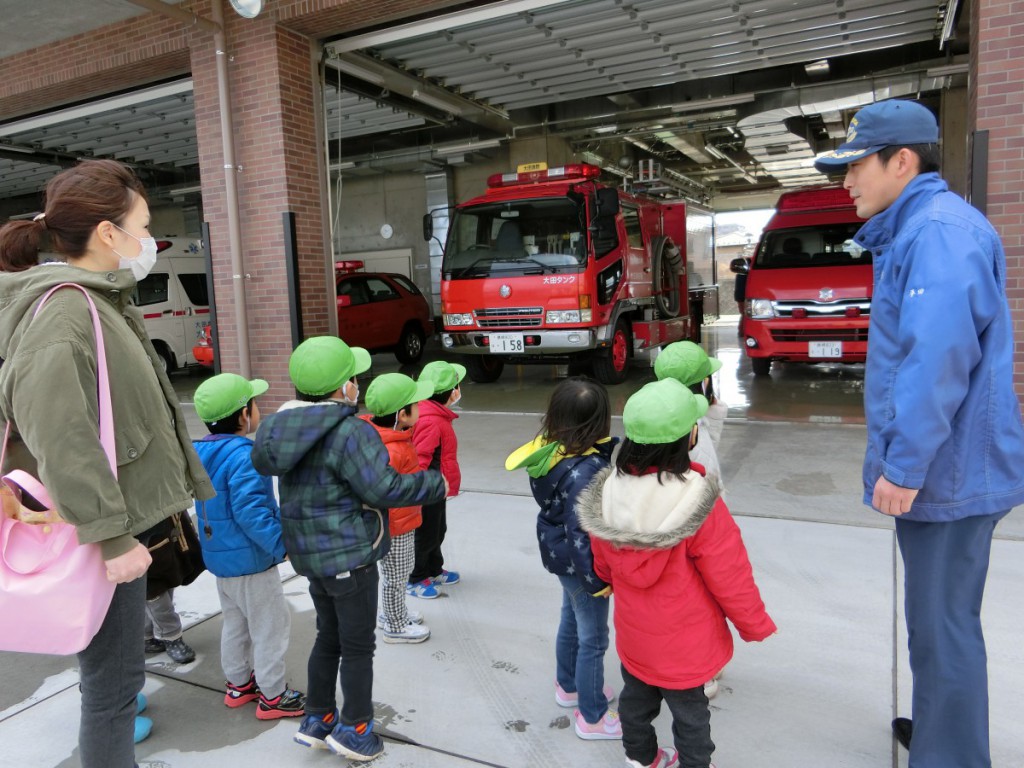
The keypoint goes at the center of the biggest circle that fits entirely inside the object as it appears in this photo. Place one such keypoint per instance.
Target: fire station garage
(304, 134)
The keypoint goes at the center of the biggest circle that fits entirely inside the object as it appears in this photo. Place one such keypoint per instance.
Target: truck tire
(483, 369)
(666, 263)
(166, 358)
(611, 365)
(410, 344)
(762, 366)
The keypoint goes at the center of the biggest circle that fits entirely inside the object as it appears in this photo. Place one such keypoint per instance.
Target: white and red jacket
(436, 444)
(678, 568)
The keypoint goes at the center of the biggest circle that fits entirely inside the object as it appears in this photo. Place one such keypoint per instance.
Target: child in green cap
(242, 547)
(437, 448)
(335, 482)
(392, 399)
(666, 543)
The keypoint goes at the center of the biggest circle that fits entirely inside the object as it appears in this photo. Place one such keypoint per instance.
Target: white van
(174, 300)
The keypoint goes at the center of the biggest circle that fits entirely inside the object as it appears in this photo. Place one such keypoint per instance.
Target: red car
(203, 350)
(382, 311)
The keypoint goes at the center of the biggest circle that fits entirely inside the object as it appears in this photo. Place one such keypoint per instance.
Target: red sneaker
(238, 695)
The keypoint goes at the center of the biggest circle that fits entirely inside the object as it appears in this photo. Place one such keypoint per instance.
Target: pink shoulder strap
(106, 420)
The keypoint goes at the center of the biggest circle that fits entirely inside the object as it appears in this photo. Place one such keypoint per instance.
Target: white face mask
(142, 264)
(352, 387)
(456, 398)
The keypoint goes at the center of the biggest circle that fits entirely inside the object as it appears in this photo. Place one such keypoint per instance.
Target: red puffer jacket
(436, 444)
(678, 568)
(402, 458)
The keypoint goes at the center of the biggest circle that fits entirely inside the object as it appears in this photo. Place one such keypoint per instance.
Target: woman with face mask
(97, 217)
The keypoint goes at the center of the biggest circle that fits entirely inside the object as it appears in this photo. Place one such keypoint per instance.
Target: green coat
(48, 392)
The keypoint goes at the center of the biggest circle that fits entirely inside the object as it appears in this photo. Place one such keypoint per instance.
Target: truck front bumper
(803, 341)
(536, 342)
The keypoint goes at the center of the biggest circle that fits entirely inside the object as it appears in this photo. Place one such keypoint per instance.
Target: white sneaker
(415, 617)
(711, 688)
(666, 758)
(413, 633)
(608, 727)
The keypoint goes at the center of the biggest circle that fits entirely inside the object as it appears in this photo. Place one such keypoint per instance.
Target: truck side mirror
(739, 266)
(428, 226)
(607, 202)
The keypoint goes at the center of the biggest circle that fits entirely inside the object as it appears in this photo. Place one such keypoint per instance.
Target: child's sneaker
(666, 758)
(237, 695)
(356, 742)
(179, 651)
(288, 704)
(711, 688)
(143, 727)
(608, 727)
(424, 589)
(569, 700)
(412, 633)
(415, 617)
(314, 730)
(446, 577)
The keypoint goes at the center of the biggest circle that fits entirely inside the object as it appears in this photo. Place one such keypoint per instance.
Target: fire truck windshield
(822, 246)
(519, 237)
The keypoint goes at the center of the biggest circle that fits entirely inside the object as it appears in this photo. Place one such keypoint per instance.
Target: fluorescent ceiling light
(718, 101)
(440, 24)
(469, 146)
(133, 99)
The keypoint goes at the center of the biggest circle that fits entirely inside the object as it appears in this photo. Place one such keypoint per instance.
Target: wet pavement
(479, 692)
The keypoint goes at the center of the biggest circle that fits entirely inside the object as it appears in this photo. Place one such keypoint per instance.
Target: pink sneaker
(608, 727)
(570, 700)
(666, 758)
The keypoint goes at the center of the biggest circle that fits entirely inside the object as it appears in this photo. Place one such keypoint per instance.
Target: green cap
(321, 364)
(391, 392)
(662, 412)
(685, 362)
(221, 395)
(443, 375)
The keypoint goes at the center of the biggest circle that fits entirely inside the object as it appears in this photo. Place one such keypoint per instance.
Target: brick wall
(995, 105)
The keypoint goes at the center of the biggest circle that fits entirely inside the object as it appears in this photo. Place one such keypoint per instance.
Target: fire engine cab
(550, 265)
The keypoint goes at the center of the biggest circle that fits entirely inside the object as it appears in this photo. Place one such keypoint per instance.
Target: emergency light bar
(814, 199)
(345, 267)
(575, 171)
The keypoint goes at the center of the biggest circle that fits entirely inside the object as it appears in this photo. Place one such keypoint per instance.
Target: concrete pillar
(997, 78)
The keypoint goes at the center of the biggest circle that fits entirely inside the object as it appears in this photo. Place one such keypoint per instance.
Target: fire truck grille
(820, 334)
(510, 317)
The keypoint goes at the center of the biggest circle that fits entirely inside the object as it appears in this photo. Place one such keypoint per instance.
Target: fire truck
(550, 265)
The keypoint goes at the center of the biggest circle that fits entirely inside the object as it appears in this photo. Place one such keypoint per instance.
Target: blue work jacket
(942, 415)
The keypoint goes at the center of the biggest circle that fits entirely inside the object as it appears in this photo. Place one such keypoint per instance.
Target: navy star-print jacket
(564, 546)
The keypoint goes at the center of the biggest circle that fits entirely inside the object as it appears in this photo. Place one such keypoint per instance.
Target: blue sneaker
(314, 730)
(447, 577)
(143, 727)
(348, 741)
(424, 589)
(141, 703)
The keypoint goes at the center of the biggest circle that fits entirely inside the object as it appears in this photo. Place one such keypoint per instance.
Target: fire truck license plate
(825, 349)
(506, 343)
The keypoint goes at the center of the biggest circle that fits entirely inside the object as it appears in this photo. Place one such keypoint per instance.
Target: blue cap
(877, 126)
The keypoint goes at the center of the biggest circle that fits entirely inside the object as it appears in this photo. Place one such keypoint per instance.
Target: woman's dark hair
(76, 200)
(442, 397)
(668, 458)
(578, 414)
(387, 420)
(928, 155)
(229, 425)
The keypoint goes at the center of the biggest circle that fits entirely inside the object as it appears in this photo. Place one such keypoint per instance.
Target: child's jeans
(254, 637)
(580, 645)
(394, 575)
(346, 621)
(640, 703)
(429, 537)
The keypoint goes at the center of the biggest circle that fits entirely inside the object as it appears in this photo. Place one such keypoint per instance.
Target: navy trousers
(946, 565)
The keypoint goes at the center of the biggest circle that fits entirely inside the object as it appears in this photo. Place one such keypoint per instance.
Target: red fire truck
(808, 291)
(550, 265)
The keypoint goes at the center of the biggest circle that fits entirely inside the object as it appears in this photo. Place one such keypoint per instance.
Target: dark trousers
(346, 618)
(429, 537)
(945, 566)
(640, 703)
(112, 671)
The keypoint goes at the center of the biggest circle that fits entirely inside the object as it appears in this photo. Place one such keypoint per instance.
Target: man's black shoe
(903, 729)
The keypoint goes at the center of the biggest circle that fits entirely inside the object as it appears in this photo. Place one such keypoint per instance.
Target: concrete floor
(479, 692)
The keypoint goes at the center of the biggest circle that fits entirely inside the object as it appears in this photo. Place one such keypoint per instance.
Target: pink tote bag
(54, 593)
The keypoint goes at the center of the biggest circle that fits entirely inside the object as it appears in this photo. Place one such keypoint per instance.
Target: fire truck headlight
(460, 318)
(563, 316)
(761, 309)
(586, 315)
